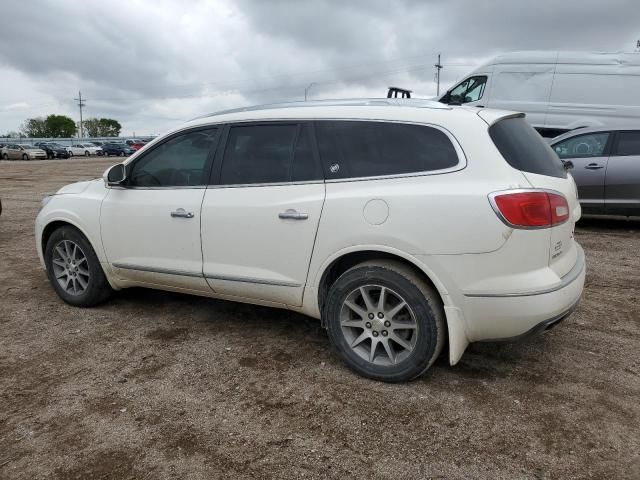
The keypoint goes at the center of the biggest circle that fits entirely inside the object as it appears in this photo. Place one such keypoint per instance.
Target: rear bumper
(512, 316)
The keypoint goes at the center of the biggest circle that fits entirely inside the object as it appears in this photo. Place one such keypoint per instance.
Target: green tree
(34, 127)
(102, 127)
(60, 126)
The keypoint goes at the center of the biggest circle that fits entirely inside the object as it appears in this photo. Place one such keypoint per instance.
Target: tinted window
(628, 143)
(177, 162)
(589, 145)
(524, 149)
(364, 149)
(268, 154)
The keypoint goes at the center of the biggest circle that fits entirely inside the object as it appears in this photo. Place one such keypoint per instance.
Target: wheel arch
(56, 223)
(341, 261)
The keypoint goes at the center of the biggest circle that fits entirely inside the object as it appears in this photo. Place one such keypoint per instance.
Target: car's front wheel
(74, 270)
(25, 156)
(385, 321)
(86, 153)
(6, 156)
(70, 154)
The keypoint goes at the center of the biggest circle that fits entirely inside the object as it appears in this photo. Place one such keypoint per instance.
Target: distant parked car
(606, 168)
(119, 149)
(138, 145)
(91, 148)
(53, 150)
(15, 151)
(75, 150)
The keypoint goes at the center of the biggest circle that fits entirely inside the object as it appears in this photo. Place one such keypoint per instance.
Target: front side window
(588, 145)
(352, 149)
(469, 90)
(628, 143)
(275, 153)
(178, 162)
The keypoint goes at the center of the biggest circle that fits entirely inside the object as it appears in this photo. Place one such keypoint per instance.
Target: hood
(77, 187)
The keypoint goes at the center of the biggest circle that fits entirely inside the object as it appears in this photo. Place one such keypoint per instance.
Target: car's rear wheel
(385, 321)
(71, 154)
(25, 156)
(74, 270)
(122, 154)
(6, 156)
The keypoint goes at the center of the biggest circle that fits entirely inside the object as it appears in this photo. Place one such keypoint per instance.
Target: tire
(97, 288)
(122, 154)
(423, 309)
(70, 154)
(25, 156)
(86, 153)
(6, 156)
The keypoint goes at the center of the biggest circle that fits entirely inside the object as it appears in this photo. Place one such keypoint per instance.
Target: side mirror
(115, 175)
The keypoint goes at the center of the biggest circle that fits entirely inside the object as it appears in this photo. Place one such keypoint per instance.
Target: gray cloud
(152, 64)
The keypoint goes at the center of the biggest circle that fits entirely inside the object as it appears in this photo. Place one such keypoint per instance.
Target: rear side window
(269, 154)
(628, 143)
(352, 149)
(524, 149)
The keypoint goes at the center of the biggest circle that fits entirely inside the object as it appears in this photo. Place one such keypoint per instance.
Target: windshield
(29, 147)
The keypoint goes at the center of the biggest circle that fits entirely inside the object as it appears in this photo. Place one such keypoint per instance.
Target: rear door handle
(181, 213)
(292, 214)
(594, 166)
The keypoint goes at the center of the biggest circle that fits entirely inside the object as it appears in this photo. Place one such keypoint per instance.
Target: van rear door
(525, 150)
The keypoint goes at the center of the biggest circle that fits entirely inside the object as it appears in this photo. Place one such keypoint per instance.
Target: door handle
(181, 213)
(594, 166)
(292, 214)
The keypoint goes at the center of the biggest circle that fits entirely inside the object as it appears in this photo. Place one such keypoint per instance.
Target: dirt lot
(159, 385)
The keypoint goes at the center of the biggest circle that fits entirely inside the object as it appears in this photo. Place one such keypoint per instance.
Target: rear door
(259, 219)
(589, 154)
(622, 183)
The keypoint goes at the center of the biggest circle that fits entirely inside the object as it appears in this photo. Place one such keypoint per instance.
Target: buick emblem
(334, 168)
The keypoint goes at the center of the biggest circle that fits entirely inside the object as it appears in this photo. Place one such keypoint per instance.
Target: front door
(589, 155)
(259, 222)
(622, 184)
(151, 226)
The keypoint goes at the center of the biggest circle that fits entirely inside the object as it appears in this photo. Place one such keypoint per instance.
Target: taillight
(531, 209)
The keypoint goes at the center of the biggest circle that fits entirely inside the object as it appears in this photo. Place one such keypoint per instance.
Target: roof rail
(347, 102)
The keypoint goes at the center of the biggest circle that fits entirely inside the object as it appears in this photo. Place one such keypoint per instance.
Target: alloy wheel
(378, 325)
(70, 267)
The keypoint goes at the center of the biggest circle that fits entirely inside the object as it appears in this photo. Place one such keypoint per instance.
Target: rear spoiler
(492, 117)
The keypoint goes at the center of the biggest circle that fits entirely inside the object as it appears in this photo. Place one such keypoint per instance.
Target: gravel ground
(162, 385)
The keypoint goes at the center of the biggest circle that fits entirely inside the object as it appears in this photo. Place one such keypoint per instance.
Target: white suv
(401, 224)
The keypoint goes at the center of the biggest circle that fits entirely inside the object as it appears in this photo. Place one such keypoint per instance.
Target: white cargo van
(559, 91)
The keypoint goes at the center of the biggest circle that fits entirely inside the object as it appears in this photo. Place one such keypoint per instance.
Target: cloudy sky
(152, 64)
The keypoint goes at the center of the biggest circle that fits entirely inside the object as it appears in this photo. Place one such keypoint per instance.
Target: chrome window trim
(259, 281)
(492, 200)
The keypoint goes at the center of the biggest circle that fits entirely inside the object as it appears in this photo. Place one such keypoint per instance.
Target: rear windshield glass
(523, 148)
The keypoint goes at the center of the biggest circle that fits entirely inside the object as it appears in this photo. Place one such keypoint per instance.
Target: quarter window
(269, 154)
(178, 162)
(628, 143)
(364, 149)
(582, 146)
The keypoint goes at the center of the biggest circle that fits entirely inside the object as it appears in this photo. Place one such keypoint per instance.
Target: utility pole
(438, 68)
(306, 90)
(80, 104)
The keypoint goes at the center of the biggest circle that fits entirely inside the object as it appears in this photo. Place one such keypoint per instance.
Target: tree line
(61, 126)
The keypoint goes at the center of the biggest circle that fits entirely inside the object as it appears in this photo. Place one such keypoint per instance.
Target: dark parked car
(53, 150)
(606, 167)
(119, 149)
